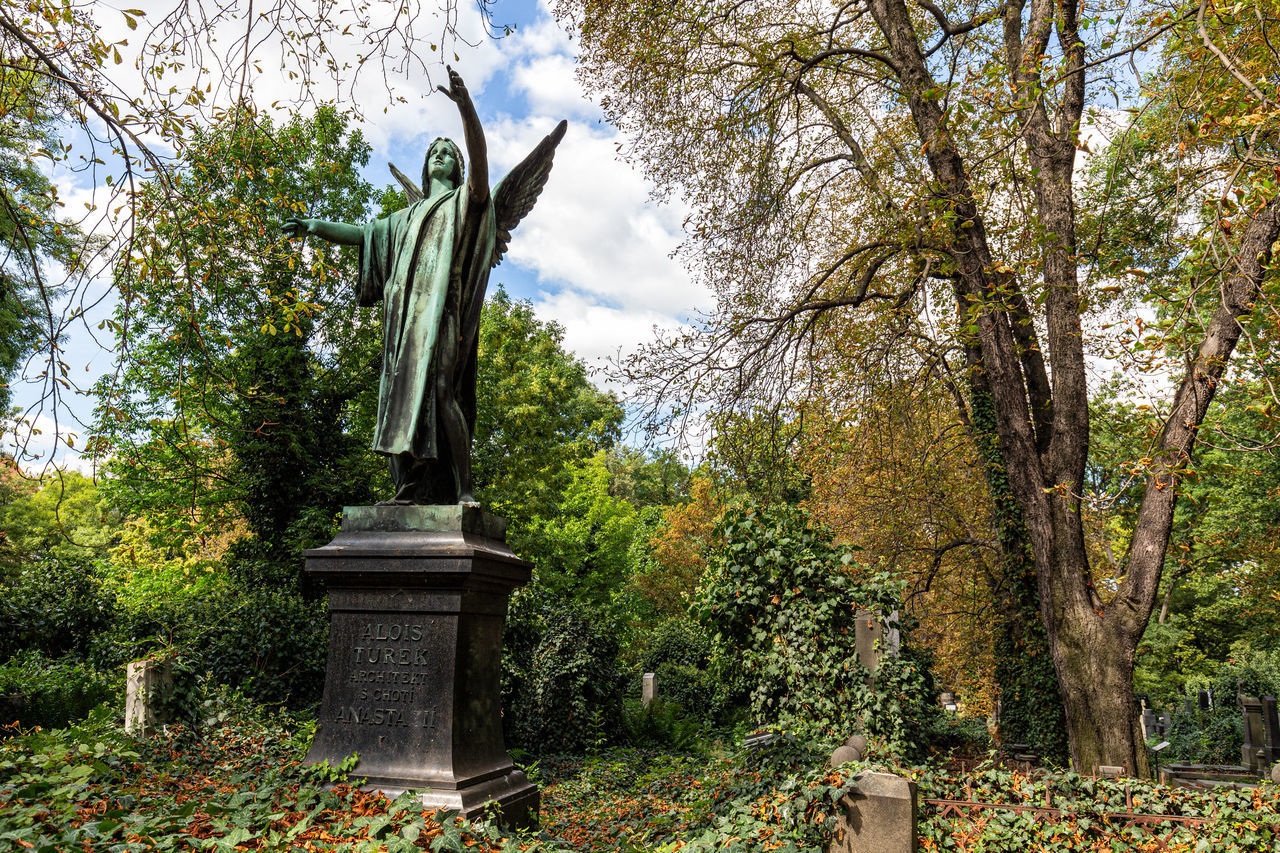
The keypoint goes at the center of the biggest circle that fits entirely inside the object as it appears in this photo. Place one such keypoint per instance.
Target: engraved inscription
(389, 661)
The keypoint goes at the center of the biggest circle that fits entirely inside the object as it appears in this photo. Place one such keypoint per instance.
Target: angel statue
(429, 264)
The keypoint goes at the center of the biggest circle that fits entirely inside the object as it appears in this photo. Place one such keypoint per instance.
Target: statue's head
(442, 146)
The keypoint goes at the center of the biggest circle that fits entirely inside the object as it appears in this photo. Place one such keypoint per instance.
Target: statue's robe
(431, 258)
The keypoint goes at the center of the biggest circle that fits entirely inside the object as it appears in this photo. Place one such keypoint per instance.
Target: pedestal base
(417, 601)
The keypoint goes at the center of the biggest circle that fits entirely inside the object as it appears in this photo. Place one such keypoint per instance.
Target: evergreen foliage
(783, 601)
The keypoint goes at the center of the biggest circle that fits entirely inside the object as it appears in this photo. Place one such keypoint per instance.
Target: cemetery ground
(237, 783)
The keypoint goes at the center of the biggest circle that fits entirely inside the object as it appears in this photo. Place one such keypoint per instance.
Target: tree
(36, 240)
(913, 166)
(249, 371)
(538, 415)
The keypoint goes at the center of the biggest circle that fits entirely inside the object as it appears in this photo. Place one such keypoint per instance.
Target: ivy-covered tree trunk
(1031, 709)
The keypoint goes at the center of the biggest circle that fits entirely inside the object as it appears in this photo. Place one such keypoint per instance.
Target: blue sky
(594, 255)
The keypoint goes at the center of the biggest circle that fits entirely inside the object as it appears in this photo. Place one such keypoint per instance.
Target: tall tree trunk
(1031, 708)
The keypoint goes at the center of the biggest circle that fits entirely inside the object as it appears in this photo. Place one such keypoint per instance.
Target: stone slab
(144, 679)
(879, 817)
(402, 519)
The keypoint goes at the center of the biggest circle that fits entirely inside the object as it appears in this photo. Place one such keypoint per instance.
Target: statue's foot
(468, 500)
(395, 502)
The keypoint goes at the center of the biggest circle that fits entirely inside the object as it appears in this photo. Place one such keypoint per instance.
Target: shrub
(54, 607)
(677, 641)
(783, 602)
(663, 724)
(271, 644)
(37, 691)
(568, 696)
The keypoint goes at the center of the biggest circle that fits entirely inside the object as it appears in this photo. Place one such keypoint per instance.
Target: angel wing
(412, 190)
(515, 194)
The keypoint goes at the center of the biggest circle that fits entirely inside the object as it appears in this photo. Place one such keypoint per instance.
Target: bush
(270, 644)
(37, 691)
(677, 641)
(54, 607)
(567, 696)
(663, 724)
(784, 602)
(1215, 736)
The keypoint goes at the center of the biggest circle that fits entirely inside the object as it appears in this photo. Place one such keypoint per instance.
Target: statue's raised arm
(473, 135)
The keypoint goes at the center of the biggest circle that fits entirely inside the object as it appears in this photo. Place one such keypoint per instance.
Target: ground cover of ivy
(239, 784)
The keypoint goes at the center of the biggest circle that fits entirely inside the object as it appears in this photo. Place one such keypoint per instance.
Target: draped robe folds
(431, 258)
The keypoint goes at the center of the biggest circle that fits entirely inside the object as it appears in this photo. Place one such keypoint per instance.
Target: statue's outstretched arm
(473, 133)
(333, 232)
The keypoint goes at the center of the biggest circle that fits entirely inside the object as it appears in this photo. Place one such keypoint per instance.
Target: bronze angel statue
(429, 265)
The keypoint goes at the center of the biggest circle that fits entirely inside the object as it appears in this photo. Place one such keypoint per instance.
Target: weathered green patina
(429, 266)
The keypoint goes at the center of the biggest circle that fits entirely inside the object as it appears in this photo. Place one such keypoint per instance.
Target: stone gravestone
(1251, 754)
(648, 689)
(878, 817)
(1271, 730)
(872, 641)
(417, 602)
(1150, 724)
(144, 681)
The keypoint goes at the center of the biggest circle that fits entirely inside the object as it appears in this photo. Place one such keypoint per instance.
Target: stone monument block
(144, 680)
(417, 602)
(648, 689)
(879, 817)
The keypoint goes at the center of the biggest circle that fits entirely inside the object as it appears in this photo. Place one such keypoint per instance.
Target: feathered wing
(515, 194)
(412, 190)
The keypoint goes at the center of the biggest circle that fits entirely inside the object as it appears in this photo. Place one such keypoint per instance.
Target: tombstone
(878, 817)
(948, 701)
(1150, 724)
(417, 603)
(1252, 752)
(648, 689)
(1109, 770)
(1271, 730)
(1188, 705)
(872, 640)
(1166, 722)
(1205, 700)
(144, 681)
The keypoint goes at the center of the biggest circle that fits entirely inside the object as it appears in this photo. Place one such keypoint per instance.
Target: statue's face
(442, 163)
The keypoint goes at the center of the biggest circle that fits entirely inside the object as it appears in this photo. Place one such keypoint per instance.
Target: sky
(594, 255)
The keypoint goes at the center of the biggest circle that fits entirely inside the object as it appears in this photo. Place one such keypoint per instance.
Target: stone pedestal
(417, 601)
(144, 681)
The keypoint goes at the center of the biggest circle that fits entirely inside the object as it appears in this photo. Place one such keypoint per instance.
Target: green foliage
(1031, 707)
(1215, 736)
(241, 786)
(1244, 821)
(664, 725)
(245, 383)
(34, 238)
(679, 653)
(680, 642)
(63, 516)
(562, 690)
(38, 691)
(269, 643)
(54, 607)
(782, 601)
(538, 415)
(582, 550)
